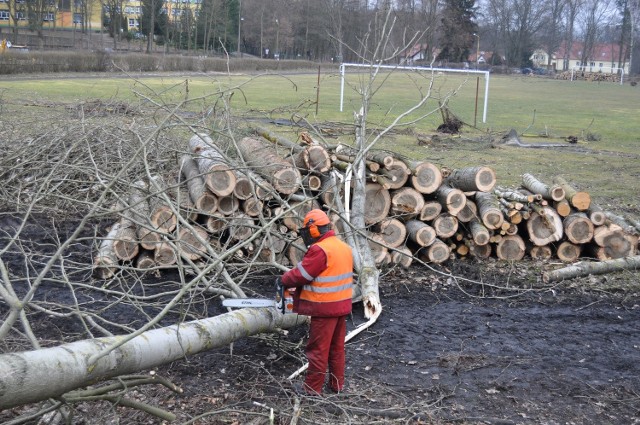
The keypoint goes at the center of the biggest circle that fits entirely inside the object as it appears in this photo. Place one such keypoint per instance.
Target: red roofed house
(603, 57)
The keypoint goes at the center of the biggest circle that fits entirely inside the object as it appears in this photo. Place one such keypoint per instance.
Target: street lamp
(477, 50)
(240, 19)
(277, 52)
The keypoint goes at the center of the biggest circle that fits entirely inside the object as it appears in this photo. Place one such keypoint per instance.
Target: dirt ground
(445, 350)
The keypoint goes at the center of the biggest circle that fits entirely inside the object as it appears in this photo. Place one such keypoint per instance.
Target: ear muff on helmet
(311, 232)
(314, 232)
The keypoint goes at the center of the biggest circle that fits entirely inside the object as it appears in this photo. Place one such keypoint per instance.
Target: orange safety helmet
(315, 224)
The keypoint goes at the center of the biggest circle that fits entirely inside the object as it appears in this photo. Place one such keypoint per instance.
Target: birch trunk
(585, 269)
(39, 375)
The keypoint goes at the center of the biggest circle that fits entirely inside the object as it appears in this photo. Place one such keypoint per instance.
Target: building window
(21, 16)
(600, 64)
(4, 15)
(77, 18)
(47, 17)
(133, 23)
(593, 64)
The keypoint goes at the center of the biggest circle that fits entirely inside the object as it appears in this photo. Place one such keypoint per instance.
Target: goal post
(344, 66)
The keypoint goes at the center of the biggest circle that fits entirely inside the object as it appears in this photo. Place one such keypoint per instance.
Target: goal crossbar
(344, 66)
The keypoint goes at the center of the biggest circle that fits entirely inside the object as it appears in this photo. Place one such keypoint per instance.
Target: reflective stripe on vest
(335, 282)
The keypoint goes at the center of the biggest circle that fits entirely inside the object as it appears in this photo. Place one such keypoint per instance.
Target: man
(323, 282)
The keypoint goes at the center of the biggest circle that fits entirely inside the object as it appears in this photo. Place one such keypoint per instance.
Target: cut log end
(511, 248)
(221, 180)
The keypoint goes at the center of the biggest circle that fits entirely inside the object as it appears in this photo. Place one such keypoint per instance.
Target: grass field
(602, 115)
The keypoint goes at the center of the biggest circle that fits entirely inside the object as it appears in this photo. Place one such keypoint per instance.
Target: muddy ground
(445, 350)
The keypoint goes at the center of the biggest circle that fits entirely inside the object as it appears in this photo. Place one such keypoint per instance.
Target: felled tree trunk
(468, 213)
(312, 158)
(596, 214)
(263, 157)
(397, 173)
(192, 243)
(578, 228)
(578, 200)
(471, 179)
(613, 242)
(511, 248)
(161, 216)
(105, 262)
(205, 201)
(402, 256)
(445, 225)
(218, 175)
(431, 210)
(586, 268)
(51, 372)
(406, 202)
(378, 203)
(479, 232)
(420, 233)
(544, 226)
(553, 193)
(568, 252)
(540, 252)
(425, 177)
(489, 210)
(438, 252)
(453, 200)
(393, 232)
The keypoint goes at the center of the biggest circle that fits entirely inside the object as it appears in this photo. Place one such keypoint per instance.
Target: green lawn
(602, 115)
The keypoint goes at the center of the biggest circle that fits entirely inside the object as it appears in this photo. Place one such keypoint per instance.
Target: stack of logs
(588, 76)
(414, 210)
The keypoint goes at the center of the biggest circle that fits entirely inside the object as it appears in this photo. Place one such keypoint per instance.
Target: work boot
(334, 390)
(300, 389)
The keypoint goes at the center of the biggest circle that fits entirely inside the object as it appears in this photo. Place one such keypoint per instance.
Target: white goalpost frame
(611, 69)
(417, 68)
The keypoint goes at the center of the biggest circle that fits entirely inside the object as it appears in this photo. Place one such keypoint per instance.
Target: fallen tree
(587, 268)
(37, 375)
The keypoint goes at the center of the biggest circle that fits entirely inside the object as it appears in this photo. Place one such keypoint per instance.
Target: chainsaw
(283, 301)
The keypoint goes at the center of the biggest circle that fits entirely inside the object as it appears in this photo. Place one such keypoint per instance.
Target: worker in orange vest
(323, 282)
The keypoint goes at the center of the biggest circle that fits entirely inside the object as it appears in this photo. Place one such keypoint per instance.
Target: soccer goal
(345, 66)
(589, 73)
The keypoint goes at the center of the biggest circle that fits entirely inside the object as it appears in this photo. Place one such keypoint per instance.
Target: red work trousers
(326, 348)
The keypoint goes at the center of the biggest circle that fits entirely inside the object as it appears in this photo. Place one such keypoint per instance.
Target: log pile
(415, 210)
(596, 76)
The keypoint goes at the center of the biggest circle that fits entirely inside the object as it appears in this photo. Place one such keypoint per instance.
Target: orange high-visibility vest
(335, 283)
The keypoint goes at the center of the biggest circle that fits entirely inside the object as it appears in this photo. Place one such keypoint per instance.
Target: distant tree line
(336, 30)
